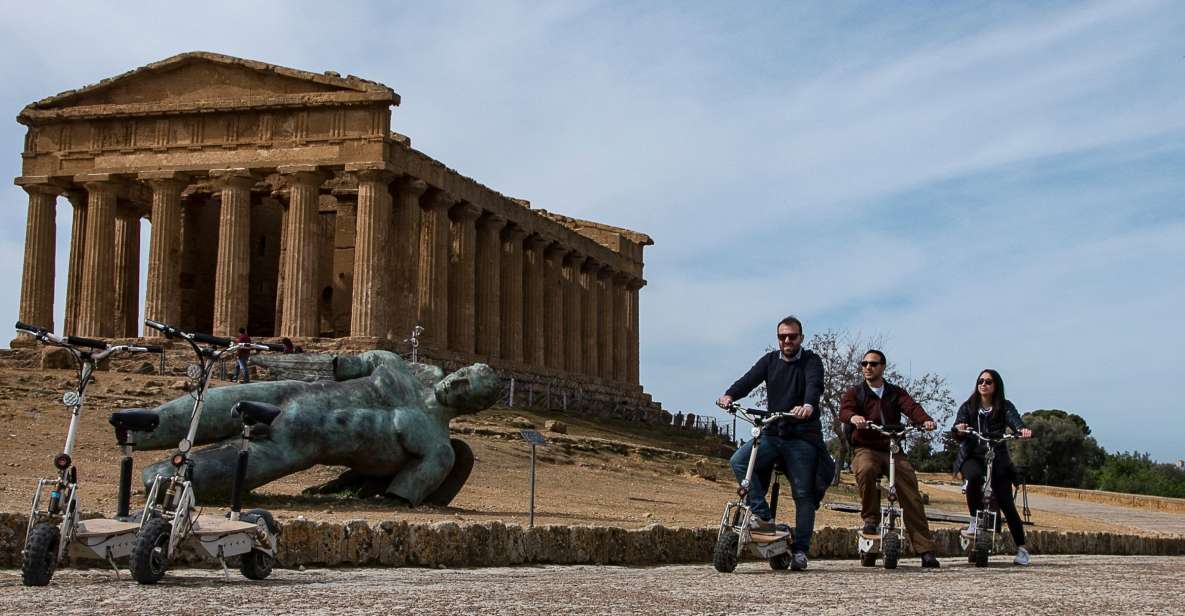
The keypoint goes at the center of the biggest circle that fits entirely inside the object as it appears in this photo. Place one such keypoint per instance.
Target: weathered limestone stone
(434, 270)
(511, 295)
(40, 233)
(620, 328)
(461, 277)
(553, 306)
(405, 261)
(233, 266)
(97, 298)
(299, 264)
(489, 285)
(573, 314)
(371, 244)
(534, 332)
(632, 339)
(591, 317)
(162, 301)
(605, 324)
(77, 200)
(127, 272)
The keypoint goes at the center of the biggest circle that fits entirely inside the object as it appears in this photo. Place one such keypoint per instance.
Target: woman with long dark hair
(988, 412)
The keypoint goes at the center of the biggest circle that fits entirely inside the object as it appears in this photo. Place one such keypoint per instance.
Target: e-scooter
(735, 534)
(887, 542)
(985, 538)
(170, 513)
(57, 530)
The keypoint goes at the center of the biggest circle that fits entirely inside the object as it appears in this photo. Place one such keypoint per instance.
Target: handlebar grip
(86, 342)
(30, 328)
(279, 348)
(214, 340)
(152, 348)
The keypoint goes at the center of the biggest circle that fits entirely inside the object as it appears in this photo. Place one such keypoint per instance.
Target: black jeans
(1001, 490)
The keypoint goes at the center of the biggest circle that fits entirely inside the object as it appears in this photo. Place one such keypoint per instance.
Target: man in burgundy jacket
(883, 403)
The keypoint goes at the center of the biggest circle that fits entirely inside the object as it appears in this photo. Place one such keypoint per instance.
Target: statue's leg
(421, 476)
(457, 476)
(214, 467)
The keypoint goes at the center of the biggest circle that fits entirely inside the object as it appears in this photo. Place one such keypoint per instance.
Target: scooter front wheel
(40, 555)
(150, 556)
(891, 546)
(724, 557)
(983, 547)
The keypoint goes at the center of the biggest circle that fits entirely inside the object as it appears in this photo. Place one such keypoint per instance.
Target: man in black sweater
(793, 378)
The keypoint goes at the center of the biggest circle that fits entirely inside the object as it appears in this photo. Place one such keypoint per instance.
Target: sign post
(534, 438)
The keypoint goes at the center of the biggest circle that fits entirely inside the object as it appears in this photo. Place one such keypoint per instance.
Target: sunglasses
(866, 364)
(985, 382)
(788, 337)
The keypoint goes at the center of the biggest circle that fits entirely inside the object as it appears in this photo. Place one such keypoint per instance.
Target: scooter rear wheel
(256, 565)
(724, 557)
(150, 556)
(40, 555)
(868, 559)
(780, 562)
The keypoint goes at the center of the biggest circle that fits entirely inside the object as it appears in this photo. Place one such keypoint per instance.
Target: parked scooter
(56, 530)
(170, 514)
(886, 543)
(736, 536)
(984, 540)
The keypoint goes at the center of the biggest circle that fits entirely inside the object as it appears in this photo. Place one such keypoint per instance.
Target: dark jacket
(887, 411)
(993, 425)
(788, 384)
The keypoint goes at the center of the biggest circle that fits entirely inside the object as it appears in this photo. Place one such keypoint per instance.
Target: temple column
(462, 331)
(37, 281)
(511, 295)
(591, 317)
(489, 287)
(162, 300)
(620, 327)
(301, 255)
(97, 293)
(371, 298)
(74, 272)
(405, 256)
(605, 324)
(533, 281)
(553, 305)
(573, 313)
(233, 268)
(434, 254)
(127, 271)
(632, 340)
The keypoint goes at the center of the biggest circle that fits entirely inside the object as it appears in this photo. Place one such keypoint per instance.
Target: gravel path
(1096, 585)
(1140, 519)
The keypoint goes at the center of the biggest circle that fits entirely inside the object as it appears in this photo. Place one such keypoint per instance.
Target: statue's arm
(429, 462)
(346, 367)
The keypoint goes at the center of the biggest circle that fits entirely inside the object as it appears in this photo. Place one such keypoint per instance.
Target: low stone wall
(494, 544)
(1140, 501)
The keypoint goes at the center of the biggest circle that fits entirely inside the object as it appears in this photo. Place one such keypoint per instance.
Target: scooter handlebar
(90, 343)
(213, 340)
(30, 329)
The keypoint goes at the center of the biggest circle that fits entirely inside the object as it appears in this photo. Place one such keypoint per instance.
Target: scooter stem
(125, 487)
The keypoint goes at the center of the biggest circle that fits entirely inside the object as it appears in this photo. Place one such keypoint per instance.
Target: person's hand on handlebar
(1026, 433)
(962, 427)
(802, 412)
(928, 426)
(858, 421)
(724, 402)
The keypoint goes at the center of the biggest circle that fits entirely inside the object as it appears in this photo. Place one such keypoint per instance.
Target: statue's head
(469, 390)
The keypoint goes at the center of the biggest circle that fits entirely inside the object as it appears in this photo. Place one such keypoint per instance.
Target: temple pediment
(198, 81)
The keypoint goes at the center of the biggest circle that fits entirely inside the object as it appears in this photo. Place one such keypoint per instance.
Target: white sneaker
(1022, 557)
(969, 532)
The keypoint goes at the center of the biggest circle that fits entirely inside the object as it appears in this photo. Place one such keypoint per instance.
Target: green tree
(1137, 473)
(1061, 451)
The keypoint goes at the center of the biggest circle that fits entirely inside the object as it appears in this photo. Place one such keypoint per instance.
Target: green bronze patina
(380, 416)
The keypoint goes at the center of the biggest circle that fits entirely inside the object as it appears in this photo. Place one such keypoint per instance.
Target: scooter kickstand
(222, 559)
(111, 561)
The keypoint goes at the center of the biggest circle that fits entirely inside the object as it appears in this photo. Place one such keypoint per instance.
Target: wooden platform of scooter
(759, 537)
(872, 536)
(216, 525)
(100, 527)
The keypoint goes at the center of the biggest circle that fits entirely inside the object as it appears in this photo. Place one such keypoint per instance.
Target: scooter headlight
(61, 461)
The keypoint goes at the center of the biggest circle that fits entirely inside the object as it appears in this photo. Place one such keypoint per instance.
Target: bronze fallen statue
(385, 419)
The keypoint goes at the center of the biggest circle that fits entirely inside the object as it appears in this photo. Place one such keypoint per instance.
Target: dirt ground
(1052, 585)
(601, 472)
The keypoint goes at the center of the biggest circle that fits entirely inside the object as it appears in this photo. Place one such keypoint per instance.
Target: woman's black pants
(1001, 490)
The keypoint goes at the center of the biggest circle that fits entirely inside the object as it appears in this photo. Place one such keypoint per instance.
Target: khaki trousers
(868, 466)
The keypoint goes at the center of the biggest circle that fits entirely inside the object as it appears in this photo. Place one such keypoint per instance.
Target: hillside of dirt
(599, 472)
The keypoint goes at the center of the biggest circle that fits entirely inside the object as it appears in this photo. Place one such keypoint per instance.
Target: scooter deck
(87, 529)
(762, 537)
(872, 536)
(210, 525)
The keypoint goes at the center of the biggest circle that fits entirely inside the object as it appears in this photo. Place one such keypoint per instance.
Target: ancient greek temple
(280, 200)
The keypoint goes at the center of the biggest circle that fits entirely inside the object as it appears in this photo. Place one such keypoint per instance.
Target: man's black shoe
(928, 560)
(870, 528)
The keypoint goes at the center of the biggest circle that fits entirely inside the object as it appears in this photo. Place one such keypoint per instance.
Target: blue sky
(984, 185)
